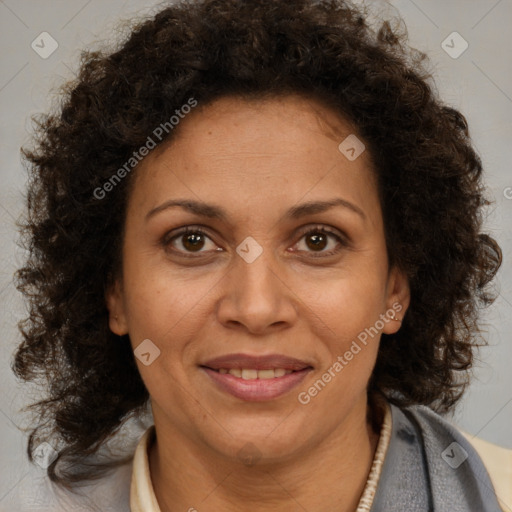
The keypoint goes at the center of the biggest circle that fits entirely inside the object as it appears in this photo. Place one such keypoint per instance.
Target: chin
(253, 441)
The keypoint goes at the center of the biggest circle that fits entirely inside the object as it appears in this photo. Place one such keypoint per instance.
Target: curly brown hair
(429, 180)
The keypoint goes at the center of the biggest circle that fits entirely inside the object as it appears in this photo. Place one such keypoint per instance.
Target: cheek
(158, 298)
(170, 311)
(346, 325)
(342, 311)
(348, 297)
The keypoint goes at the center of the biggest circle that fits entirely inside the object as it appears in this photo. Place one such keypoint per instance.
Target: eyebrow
(216, 212)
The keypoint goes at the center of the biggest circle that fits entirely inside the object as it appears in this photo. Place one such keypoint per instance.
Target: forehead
(236, 150)
(300, 120)
(237, 122)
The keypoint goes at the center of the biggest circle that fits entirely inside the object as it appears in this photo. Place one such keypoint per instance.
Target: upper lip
(248, 361)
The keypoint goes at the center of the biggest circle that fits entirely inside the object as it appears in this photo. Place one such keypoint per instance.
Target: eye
(192, 239)
(317, 239)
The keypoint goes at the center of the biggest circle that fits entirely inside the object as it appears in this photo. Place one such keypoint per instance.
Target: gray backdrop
(40, 48)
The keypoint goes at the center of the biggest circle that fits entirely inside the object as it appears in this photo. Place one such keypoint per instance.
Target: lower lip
(257, 390)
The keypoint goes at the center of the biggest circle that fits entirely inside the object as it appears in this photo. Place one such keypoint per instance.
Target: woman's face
(253, 284)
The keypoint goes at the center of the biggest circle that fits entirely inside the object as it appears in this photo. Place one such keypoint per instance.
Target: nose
(256, 297)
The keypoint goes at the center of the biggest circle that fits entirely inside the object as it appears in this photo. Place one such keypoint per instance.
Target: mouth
(253, 373)
(256, 378)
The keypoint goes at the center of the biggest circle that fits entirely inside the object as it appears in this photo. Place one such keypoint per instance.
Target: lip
(256, 390)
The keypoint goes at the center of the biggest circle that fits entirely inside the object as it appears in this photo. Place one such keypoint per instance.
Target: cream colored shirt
(497, 460)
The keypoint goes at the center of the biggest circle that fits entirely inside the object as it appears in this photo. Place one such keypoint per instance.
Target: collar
(142, 495)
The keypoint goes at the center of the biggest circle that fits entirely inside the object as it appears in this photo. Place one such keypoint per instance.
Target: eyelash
(166, 240)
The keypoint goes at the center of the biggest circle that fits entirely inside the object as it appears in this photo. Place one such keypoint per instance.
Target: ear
(397, 300)
(114, 299)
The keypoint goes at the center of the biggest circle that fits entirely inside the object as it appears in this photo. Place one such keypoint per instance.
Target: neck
(329, 476)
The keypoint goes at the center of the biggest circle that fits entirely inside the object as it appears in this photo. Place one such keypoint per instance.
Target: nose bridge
(255, 296)
(254, 275)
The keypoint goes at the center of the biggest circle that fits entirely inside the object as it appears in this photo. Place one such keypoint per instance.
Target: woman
(260, 218)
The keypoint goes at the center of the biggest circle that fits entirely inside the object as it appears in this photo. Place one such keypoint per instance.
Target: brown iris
(318, 241)
(193, 241)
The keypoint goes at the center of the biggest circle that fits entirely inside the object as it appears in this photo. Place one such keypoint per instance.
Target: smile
(256, 378)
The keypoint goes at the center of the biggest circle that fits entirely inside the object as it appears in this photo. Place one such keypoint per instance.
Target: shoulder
(498, 462)
(496, 459)
(108, 493)
(36, 492)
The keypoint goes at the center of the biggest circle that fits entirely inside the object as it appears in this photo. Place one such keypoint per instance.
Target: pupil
(318, 241)
(193, 241)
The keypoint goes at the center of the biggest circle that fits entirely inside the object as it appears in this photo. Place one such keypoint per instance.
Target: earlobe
(115, 305)
(398, 300)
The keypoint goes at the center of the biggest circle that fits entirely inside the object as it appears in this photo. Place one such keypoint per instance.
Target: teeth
(251, 374)
(266, 374)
